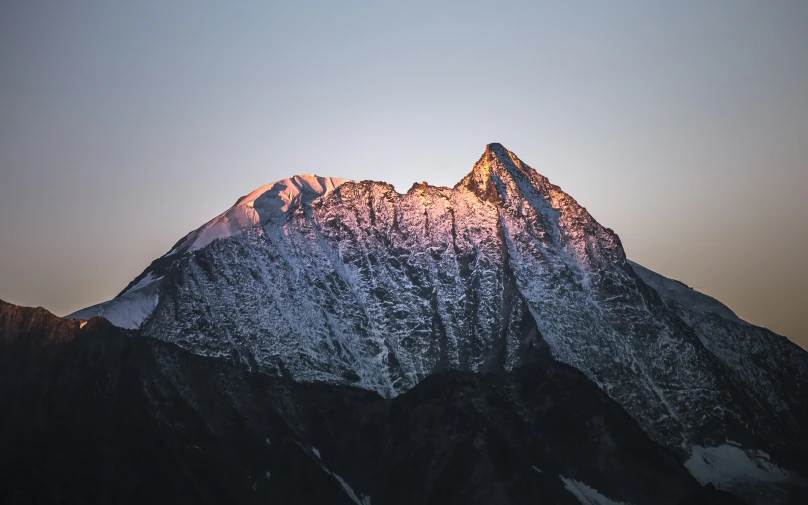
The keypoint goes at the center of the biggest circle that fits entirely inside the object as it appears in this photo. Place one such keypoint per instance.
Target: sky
(681, 125)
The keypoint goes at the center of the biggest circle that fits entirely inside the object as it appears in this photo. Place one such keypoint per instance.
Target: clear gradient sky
(681, 125)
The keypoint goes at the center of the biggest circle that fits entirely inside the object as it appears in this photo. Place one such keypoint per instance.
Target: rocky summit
(473, 292)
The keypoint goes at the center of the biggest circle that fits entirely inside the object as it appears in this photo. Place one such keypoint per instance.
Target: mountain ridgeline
(475, 292)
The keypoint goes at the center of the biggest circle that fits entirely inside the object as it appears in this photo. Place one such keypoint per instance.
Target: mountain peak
(496, 156)
(496, 152)
(496, 164)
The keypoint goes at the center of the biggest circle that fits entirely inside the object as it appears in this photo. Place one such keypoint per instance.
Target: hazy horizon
(684, 127)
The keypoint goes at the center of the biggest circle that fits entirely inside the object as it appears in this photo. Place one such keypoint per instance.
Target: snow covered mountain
(136, 302)
(347, 282)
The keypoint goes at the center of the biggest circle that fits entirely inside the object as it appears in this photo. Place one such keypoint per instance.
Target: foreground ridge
(163, 425)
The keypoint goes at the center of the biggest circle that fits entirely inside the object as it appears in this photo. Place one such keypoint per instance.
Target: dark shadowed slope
(101, 415)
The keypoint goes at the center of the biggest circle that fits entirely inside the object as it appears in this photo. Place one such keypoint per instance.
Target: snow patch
(682, 294)
(729, 464)
(128, 310)
(142, 283)
(358, 499)
(586, 495)
(226, 225)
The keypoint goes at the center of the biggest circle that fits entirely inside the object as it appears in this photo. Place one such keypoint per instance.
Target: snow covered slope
(128, 309)
(682, 293)
(266, 203)
(135, 303)
(352, 282)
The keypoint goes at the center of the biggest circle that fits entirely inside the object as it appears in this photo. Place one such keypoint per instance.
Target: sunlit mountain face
(486, 343)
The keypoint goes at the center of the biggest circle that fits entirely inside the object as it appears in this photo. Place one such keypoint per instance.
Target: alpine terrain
(334, 341)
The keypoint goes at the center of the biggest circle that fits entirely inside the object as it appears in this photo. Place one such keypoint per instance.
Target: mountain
(349, 283)
(97, 414)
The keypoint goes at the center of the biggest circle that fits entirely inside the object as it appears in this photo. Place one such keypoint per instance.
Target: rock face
(109, 416)
(352, 283)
